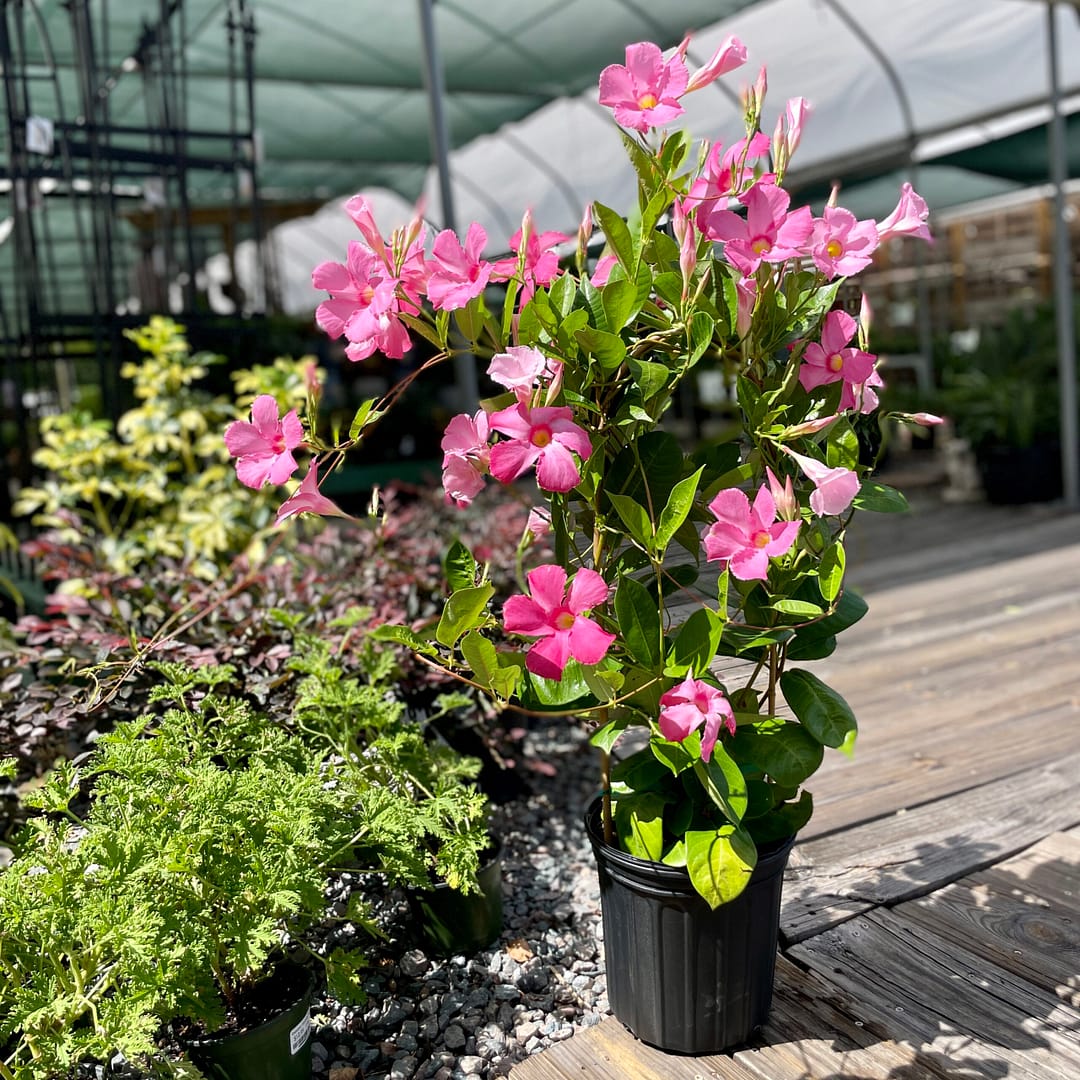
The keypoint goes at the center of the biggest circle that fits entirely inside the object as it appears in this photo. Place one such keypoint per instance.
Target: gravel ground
(543, 978)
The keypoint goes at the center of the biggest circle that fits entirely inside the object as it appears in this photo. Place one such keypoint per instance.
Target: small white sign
(39, 135)
(299, 1034)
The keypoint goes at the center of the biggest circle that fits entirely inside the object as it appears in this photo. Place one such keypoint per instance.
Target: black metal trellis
(110, 201)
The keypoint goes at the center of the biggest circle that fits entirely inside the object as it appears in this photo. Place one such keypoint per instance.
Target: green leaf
(737, 640)
(603, 684)
(695, 644)
(618, 237)
(880, 498)
(635, 518)
(402, 635)
(609, 349)
(459, 566)
(639, 621)
(363, 416)
(824, 713)
(481, 656)
(720, 862)
(542, 694)
(650, 378)
(563, 292)
(647, 471)
(831, 571)
(724, 783)
(672, 754)
(801, 609)
(786, 752)
(783, 821)
(678, 506)
(640, 823)
(641, 772)
(676, 855)
(620, 303)
(463, 611)
(606, 737)
(700, 335)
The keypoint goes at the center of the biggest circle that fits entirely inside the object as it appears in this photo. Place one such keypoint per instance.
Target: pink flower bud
(787, 507)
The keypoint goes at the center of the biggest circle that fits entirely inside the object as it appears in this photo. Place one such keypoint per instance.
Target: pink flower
(686, 707)
(541, 261)
(539, 522)
(460, 275)
(465, 457)
(377, 327)
(768, 233)
(556, 616)
(789, 128)
(840, 245)
(833, 488)
(263, 448)
(545, 436)
(862, 397)
(604, 265)
(745, 301)
(726, 173)
(307, 499)
(686, 234)
(908, 218)
(787, 506)
(730, 55)
(746, 537)
(645, 93)
(830, 361)
(520, 368)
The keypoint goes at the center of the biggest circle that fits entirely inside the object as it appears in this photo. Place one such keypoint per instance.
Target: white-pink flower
(693, 704)
(556, 615)
(908, 218)
(768, 233)
(521, 367)
(538, 522)
(644, 93)
(546, 436)
(744, 537)
(730, 55)
(833, 488)
(832, 360)
(263, 448)
(841, 245)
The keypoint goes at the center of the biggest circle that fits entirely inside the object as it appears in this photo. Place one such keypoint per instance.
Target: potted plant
(171, 879)
(664, 557)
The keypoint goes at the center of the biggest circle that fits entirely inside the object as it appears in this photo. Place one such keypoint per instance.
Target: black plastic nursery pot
(680, 975)
(455, 923)
(277, 1049)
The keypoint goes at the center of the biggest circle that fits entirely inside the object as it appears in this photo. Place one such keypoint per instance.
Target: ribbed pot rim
(772, 858)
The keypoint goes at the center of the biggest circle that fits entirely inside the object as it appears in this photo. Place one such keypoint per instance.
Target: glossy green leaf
(700, 335)
(609, 349)
(831, 571)
(723, 782)
(464, 611)
(720, 862)
(639, 621)
(562, 293)
(676, 854)
(639, 819)
(823, 712)
(737, 640)
(650, 378)
(605, 737)
(559, 695)
(617, 235)
(649, 470)
(620, 303)
(801, 609)
(783, 821)
(635, 518)
(678, 505)
(672, 754)
(364, 415)
(880, 498)
(402, 635)
(459, 567)
(787, 752)
(481, 656)
(695, 644)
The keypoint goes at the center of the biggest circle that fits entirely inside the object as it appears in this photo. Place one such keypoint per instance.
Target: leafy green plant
(423, 818)
(158, 485)
(200, 855)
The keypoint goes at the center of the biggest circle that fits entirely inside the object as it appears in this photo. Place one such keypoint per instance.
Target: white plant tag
(299, 1034)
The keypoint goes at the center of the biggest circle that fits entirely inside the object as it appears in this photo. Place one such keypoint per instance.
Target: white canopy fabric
(889, 83)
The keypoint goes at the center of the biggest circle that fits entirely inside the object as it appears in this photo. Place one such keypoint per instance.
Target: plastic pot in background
(455, 923)
(277, 1049)
(680, 975)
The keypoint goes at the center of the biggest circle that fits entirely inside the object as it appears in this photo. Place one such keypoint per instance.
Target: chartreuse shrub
(200, 855)
(158, 484)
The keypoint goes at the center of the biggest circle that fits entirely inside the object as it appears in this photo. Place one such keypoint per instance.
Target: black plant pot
(681, 976)
(1015, 475)
(455, 923)
(277, 1049)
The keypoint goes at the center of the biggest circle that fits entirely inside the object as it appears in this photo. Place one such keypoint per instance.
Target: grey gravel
(473, 1017)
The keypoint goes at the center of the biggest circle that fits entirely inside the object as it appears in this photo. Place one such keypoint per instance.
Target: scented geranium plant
(663, 560)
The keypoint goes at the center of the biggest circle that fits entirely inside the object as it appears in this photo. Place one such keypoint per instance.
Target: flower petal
(589, 643)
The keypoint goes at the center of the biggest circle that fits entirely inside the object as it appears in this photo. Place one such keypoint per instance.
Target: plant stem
(605, 796)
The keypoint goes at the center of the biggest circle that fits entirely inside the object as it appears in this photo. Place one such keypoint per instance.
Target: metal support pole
(464, 363)
(1063, 288)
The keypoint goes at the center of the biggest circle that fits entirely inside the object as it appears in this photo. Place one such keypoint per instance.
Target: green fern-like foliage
(205, 847)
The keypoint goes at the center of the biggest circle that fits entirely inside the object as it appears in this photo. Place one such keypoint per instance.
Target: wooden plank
(913, 853)
(1021, 915)
(929, 992)
(815, 1029)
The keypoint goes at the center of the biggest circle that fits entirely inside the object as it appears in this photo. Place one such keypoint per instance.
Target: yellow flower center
(835, 249)
(647, 101)
(836, 362)
(564, 621)
(540, 437)
(761, 539)
(761, 246)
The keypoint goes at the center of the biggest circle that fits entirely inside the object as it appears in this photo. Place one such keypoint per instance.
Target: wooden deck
(931, 917)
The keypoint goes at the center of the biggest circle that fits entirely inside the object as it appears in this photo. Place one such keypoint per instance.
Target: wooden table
(931, 917)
